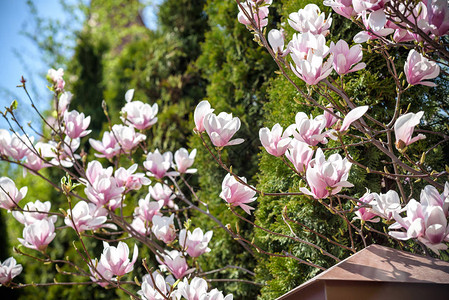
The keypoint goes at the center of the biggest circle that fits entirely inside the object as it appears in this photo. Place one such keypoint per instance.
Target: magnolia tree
(97, 193)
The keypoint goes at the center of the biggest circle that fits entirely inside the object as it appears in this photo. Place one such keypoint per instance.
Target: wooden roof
(382, 264)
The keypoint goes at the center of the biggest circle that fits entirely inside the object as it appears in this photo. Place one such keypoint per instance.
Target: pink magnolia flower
(195, 243)
(276, 39)
(138, 114)
(195, 290)
(353, 116)
(184, 161)
(158, 164)
(342, 7)
(375, 24)
(310, 19)
(299, 154)
(418, 68)
(155, 284)
(10, 196)
(221, 129)
(102, 188)
(64, 102)
(418, 17)
(64, 153)
(108, 147)
(404, 127)
(330, 118)
(175, 263)
(16, 146)
(215, 294)
(129, 180)
(87, 216)
(164, 228)
(56, 77)
(303, 43)
(116, 260)
(38, 235)
(76, 124)
(274, 141)
(386, 205)
(431, 197)
(127, 137)
(365, 213)
(100, 274)
(33, 212)
(8, 270)
(258, 13)
(201, 110)
(237, 194)
(438, 16)
(163, 194)
(326, 177)
(34, 159)
(309, 130)
(313, 69)
(426, 223)
(345, 58)
(140, 226)
(147, 209)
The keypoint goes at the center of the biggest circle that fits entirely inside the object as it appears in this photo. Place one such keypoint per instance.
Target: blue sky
(15, 17)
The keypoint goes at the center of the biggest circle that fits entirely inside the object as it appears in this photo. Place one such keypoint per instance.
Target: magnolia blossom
(130, 181)
(139, 115)
(175, 263)
(100, 273)
(430, 197)
(222, 128)
(426, 223)
(313, 69)
(76, 124)
(38, 234)
(102, 188)
(276, 40)
(237, 194)
(56, 77)
(310, 19)
(33, 212)
(35, 158)
(87, 216)
(147, 209)
(108, 146)
(366, 214)
(195, 243)
(115, 259)
(386, 205)
(301, 44)
(151, 292)
(9, 194)
(16, 146)
(195, 290)
(258, 13)
(418, 68)
(163, 194)
(63, 102)
(202, 109)
(8, 270)
(342, 7)
(127, 137)
(418, 16)
(274, 141)
(64, 153)
(309, 130)
(375, 23)
(326, 177)
(299, 154)
(345, 58)
(215, 294)
(404, 127)
(184, 160)
(158, 164)
(164, 228)
(331, 119)
(438, 16)
(353, 116)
